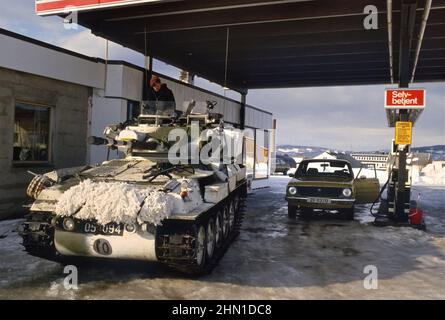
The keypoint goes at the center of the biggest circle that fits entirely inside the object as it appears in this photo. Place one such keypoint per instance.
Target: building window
(31, 133)
(133, 109)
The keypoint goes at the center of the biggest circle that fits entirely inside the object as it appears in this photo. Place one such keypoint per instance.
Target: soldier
(161, 100)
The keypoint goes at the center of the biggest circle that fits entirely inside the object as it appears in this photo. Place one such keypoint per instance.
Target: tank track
(37, 233)
(177, 248)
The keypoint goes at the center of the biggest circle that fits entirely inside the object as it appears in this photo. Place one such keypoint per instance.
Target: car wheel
(306, 213)
(349, 213)
(291, 212)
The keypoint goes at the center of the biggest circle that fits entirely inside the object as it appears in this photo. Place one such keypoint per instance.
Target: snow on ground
(432, 174)
(274, 258)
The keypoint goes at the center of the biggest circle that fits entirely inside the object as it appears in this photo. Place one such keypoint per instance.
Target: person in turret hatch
(161, 100)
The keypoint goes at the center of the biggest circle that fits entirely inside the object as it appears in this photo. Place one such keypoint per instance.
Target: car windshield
(324, 169)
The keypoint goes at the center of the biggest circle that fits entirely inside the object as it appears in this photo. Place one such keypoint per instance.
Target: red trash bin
(415, 216)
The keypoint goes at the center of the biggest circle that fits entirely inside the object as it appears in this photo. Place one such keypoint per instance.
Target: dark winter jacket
(162, 101)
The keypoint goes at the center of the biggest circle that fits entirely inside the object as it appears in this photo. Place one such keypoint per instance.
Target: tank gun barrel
(97, 141)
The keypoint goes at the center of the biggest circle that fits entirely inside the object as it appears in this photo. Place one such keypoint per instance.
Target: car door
(366, 190)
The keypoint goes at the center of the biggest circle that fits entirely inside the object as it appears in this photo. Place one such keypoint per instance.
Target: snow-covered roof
(421, 159)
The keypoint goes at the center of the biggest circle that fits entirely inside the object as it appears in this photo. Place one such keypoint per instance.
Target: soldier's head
(155, 83)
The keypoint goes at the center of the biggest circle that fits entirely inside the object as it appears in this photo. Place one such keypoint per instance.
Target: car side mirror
(291, 175)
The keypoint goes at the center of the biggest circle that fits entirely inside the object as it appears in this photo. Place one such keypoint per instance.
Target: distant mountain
(300, 151)
(437, 151)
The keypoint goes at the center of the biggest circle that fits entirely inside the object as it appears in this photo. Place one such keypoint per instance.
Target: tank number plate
(111, 229)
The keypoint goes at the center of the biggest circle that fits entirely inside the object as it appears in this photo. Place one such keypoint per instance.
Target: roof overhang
(248, 44)
(51, 7)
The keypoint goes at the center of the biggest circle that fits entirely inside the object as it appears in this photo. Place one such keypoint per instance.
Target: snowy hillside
(300, 151)
(437, 152)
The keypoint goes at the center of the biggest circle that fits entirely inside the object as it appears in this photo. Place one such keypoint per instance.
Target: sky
(343, 118)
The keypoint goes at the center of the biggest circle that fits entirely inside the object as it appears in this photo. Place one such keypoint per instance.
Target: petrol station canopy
(248, 44)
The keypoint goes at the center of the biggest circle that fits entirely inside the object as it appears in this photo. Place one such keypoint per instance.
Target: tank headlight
(68, 224)
(152, 144)
(130, 227)
(347, 192)
(292, 191)
(148, 227)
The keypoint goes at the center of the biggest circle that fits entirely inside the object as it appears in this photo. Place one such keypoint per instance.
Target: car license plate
(319, 200)
(111, 229)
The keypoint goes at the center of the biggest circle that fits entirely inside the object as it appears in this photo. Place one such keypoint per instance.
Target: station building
(380, 160)
(52, 99)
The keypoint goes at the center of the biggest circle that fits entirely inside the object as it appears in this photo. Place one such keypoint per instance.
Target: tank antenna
(106, 65)
(226, 64)
(145, 53)
(148, 61)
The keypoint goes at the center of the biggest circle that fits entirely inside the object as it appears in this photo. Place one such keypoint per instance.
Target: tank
(172, 196)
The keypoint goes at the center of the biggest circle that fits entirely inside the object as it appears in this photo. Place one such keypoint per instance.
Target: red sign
(47, 7)
(405, 98)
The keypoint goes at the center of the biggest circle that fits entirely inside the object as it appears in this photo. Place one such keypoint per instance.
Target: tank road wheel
(232, 212)
(236, 203)
(211, 239)
(219, 232)
(200, 247)
(240, 211)
(226, 222)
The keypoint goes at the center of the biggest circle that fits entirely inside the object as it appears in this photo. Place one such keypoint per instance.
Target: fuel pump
(403, 108)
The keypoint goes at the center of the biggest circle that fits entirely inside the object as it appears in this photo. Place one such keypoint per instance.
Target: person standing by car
(161, 100)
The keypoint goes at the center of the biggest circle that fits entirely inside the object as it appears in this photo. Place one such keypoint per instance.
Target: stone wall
(69, 128)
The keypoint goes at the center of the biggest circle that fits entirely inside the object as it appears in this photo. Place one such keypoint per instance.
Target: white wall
(124, 82)
(31, 58)
(104, 111)
(258, 119)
